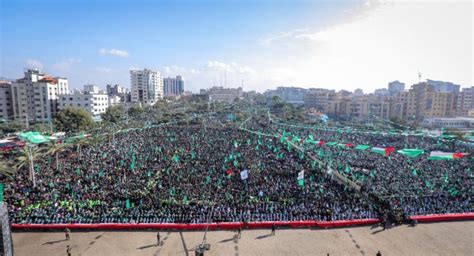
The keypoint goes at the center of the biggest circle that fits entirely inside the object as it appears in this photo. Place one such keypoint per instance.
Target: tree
(28, 155)
(73, 120)
(41, 128)
(55, 149)
(113, 114)
(10, 127)
(135, 111)
(7, 169)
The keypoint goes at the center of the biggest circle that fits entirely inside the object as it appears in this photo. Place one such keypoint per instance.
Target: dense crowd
(192, 174)
(417, 185)
(180, 174)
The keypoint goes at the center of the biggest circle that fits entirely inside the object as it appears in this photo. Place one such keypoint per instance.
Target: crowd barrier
(200, 226)
(443, 217)
(235, 225)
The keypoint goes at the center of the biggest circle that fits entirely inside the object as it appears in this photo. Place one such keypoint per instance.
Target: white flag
(244, 174)
(301, 175)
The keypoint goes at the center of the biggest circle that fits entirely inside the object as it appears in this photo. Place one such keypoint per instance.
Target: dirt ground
(447, 238)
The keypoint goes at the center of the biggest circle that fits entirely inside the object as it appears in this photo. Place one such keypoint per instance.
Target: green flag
(185, 199)
(127, 203)
(348, 169)
(176, 158)
(414, 172)
(1, 192)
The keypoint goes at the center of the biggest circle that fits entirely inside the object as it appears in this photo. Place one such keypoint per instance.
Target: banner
(244, 174)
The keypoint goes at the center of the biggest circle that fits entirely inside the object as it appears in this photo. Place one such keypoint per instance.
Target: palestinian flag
(228, 172)
(411, 152)
(383, 151)
(439, 155)
(320, 143)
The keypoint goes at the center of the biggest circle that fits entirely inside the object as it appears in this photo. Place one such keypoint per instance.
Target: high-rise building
(395, 87)
(173, 86)
(6, 109)
(424, 101)
(147, 86)
(465, 102)
(35, 96)
(441, 86)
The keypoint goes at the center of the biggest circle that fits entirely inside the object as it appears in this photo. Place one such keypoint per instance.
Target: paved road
(449, 238)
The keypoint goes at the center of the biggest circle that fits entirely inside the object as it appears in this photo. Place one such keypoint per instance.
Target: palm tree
(28, 155)
(56, 149)
(81, 143)
(6, 168)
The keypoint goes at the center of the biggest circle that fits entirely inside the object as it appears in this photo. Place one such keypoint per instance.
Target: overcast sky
(262, 44)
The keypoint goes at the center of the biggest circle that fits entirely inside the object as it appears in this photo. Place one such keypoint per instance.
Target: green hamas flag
(348, 169)
(414, 172)
(411, 152)
(132, 164)
(127, 203)
(1, 192)
(362, 147)
(185, 199)
(175, 158)
(301, 178)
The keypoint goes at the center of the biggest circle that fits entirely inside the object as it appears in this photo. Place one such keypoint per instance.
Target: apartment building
(35, 96)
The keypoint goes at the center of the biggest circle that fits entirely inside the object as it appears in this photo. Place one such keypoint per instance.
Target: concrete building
(358, 92)
(456, 122)
(92, 88)
(294, 95)
(465, 102)
(319, 99)
(395, 87)
(35, 96)
(173, 86)
(441, 86)
(6, 109)
(424, 101)
(146, 86)
(115, 89)
(114, 100)
(93, 101)
(382, 92)
(223, 94)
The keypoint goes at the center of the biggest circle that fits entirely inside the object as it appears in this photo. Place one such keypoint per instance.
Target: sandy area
(448, 238)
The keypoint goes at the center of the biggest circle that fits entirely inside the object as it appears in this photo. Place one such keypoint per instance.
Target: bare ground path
(448, 238)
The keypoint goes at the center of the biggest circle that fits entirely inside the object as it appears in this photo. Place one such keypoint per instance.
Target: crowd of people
(417, 185)
(184, 173)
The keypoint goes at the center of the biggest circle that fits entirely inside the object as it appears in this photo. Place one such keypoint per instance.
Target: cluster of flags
(385, 151)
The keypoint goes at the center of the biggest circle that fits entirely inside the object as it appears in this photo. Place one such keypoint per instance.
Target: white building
(147, 86)
(447, 122)
(115, 100)
(35, 97)
(95, 103)
(6, 110)
(92, 88)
